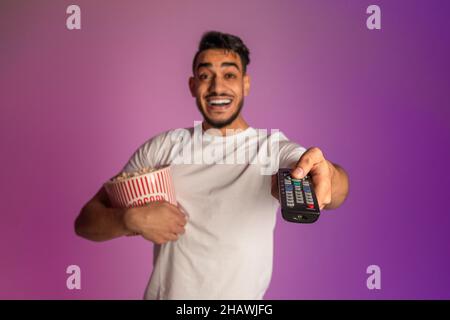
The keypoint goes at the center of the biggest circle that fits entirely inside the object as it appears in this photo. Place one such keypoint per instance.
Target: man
(217, 243)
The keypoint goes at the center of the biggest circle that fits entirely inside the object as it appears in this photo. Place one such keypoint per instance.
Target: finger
(322, 188)
(180, 217)
(181, 224)
(172, 237)
(178, 230)
(177, 209)
(321, 179)
(185, 214)
(308, 159)
(172, 206)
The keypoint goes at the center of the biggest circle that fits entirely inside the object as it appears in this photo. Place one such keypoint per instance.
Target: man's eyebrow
(204, 64)
(230, 64)
(224, 64)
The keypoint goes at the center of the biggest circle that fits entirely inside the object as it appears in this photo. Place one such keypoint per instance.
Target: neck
(238, 124)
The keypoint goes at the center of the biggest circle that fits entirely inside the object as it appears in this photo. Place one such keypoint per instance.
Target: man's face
(219, 86)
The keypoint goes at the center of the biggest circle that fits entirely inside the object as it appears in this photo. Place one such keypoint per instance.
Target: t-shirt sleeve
(289, 152)
(147, 155)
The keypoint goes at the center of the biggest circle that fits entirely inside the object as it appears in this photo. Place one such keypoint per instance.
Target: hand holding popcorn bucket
(137, 189)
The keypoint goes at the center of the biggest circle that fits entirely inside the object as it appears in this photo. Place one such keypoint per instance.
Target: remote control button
(310, 206)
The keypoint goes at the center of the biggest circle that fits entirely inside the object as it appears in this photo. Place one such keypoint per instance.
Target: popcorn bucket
(139, 190)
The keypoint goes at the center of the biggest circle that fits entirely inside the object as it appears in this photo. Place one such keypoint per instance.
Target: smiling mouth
(216, 103)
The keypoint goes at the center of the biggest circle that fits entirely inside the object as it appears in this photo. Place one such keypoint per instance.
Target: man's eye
(230, 76)
(203, 76)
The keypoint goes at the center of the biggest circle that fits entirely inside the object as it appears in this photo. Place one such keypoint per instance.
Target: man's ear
(246, 84)
(192, 86)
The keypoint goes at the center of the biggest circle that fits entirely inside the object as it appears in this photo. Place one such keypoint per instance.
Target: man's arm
(97, 221)
(158, 222)
(330, 181)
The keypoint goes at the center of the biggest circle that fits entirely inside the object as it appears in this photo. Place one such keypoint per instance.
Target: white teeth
(219, 101)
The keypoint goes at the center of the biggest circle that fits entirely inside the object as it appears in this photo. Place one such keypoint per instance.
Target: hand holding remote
(297, 198)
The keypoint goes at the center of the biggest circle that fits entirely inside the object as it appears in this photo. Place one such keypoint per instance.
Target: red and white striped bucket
(140, 190)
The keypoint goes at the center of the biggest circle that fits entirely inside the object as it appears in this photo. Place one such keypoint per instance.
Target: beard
(222, 123)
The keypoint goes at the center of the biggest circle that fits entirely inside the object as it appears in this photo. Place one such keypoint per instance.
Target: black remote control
(297, 198)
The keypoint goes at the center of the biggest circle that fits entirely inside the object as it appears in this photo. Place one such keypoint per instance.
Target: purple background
(76, 104)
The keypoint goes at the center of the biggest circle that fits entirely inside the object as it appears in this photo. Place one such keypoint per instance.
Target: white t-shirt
(223, 184)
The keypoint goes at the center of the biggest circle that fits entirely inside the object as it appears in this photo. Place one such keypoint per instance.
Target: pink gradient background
(76, 104)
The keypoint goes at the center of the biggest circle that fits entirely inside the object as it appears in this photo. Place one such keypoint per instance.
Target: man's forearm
(97, 222)
(339, 186)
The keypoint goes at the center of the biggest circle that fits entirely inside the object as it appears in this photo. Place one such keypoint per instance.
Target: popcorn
(126, 175)
(135, 189)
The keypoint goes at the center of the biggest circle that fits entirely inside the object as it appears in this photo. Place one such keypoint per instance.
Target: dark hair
(219, 40)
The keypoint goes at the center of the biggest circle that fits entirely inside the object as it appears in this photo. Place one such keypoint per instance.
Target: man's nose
(216, 84)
